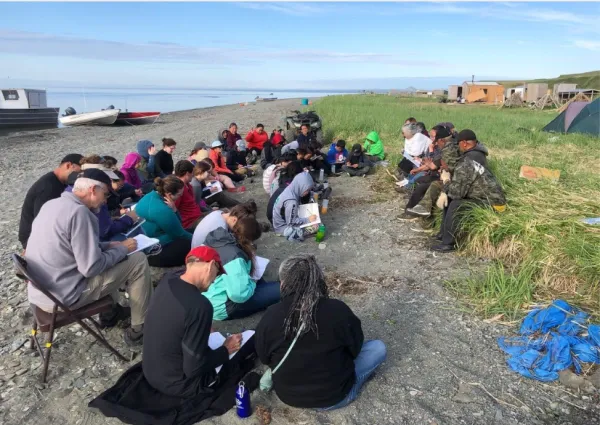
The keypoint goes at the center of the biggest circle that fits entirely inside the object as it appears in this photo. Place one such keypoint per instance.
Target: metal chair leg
(34, 328)
(49, 344)
(101, 338)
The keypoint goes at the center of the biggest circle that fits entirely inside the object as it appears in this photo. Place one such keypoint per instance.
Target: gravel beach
(443, 366)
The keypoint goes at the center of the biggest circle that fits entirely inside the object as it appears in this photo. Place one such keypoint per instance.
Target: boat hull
(36, 117)
(137, 118)
(107, 117)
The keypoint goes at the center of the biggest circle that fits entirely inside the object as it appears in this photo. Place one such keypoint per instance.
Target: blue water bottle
(242, 401)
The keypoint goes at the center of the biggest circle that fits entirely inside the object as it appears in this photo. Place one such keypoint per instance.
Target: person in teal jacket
(163, 222)
(236, 294)
(374, 148)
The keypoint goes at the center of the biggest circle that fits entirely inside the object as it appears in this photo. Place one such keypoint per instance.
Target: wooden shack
(483, 91)
(535, 91)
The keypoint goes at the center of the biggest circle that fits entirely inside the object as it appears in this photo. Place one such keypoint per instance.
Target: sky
(293, 45)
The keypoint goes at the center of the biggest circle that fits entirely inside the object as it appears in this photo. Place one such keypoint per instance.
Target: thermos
(332, 168)
(321, 174)
(242, 401)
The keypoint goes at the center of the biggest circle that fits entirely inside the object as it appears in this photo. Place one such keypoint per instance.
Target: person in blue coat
(337, 155)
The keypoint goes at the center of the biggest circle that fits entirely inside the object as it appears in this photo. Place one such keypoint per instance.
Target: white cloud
(40, 44)
(588, 45)
(293, 9)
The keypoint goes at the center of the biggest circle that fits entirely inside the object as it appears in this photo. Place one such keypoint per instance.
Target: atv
(294, 122)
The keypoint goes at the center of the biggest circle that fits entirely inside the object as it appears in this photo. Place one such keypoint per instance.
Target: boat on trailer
(22, 108)
(137, 118)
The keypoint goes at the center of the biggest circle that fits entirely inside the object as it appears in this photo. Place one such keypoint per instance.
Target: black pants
(223, 200)
(172, 255)
(406, 166)
(452, 216)
(420, 189)
(373, 159)
(233, 176)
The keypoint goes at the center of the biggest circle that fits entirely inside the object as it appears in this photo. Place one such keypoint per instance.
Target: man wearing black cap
(64, 253)
(47, 187)
(472, 184)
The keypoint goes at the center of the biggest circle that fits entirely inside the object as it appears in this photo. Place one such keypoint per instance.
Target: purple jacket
(107, 227)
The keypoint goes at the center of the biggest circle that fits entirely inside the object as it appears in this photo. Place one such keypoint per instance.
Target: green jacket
(161, 222)
(374, 146)
(471, 180)
(236, 285)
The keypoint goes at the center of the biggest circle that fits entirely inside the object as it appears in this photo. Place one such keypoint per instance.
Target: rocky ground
(443, 366)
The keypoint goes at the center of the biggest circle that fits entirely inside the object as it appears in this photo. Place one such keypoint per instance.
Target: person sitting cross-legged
(65, 253)
(337, 155)
(330, 360)
(356, 163)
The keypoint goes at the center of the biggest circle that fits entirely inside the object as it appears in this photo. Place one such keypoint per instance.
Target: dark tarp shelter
(579, 117)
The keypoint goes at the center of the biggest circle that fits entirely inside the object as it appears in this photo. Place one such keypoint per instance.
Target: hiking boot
(134, 338)
(110, 319)
(418, 210)
(443, 248)
(437, 237)
(401, 190)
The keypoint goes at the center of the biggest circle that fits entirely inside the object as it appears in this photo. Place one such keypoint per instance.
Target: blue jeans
(413, 179)
(265, 294)
(371, 355)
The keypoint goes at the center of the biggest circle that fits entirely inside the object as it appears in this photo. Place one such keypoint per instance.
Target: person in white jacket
(415, 146)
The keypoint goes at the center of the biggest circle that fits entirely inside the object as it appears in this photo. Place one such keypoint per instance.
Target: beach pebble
(322, 245)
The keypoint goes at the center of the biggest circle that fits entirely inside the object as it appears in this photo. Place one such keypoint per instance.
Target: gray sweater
(64, 250)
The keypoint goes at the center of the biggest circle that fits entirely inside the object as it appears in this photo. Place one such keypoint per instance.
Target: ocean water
(161, 100)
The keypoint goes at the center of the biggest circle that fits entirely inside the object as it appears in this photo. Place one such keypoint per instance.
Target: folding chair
(48, 322)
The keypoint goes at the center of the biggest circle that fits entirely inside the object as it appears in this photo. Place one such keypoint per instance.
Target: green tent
(579, 117)
(588, 120)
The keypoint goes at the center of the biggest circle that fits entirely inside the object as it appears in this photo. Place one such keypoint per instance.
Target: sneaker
(153, 250)
(349, 175)
(112, 318)
(402, 183)
(419, 210)
(133, 338)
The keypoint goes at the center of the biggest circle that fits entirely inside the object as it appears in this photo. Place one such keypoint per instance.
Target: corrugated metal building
(564, 87)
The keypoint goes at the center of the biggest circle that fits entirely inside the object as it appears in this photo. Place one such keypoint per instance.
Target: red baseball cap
(206, 254)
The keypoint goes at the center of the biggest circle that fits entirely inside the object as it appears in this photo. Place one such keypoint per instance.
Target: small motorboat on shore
(105, 117)
(265, 99)
(137, 118)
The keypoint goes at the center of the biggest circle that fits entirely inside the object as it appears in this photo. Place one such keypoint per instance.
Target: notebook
(216, 339)
(144, 242)
(260, 265)
(211, 185)
(306, 210)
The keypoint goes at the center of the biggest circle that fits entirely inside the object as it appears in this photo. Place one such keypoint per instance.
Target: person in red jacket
(189, 211)
(216, 155)
(256, 139)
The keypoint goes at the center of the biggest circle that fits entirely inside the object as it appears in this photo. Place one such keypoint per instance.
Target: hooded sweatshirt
(335, 157)
(289, 200)
(478, 154)
(146, 165)
(161, 222)
(236, 285)
(255, 140)
(129, 171)
(374, 146)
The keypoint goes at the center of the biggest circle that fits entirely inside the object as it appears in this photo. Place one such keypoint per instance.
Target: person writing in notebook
(178, 360)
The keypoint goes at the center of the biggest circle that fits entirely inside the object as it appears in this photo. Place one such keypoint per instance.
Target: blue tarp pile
(552, 339)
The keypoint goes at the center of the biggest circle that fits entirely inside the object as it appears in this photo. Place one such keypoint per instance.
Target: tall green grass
(539, 241)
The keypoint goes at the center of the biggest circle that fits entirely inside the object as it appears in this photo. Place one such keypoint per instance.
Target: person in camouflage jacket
(472, 184)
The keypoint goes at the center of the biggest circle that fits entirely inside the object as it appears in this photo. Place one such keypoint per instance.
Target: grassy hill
(585, 80)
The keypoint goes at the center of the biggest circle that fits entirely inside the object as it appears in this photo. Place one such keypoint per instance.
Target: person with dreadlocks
(330, 360)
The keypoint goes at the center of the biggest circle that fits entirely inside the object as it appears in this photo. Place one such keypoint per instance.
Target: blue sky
(293, 45)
